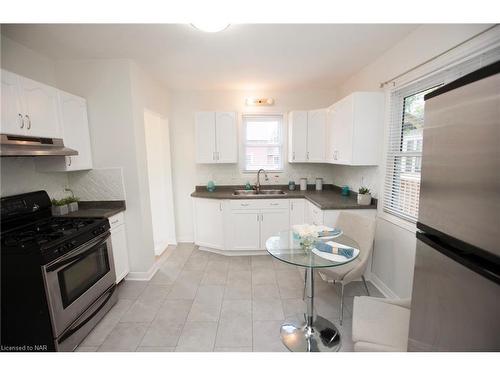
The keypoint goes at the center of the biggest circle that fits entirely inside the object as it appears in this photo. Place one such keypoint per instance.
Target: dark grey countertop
(103, 209)
(327, 199)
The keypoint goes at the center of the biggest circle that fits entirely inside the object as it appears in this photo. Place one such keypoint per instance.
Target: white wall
(187, 174)
(117, 138)
(394, 253)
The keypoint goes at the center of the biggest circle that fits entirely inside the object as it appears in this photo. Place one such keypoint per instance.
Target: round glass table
(315, 333)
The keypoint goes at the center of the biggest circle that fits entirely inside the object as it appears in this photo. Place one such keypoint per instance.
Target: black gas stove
(57, 275)
(28, 225)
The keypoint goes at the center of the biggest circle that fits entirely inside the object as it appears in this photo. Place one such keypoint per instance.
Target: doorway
(160, 180)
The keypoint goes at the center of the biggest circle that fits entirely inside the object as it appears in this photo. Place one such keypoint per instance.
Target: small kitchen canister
(303, 184)
(291, 185)
(319, 184)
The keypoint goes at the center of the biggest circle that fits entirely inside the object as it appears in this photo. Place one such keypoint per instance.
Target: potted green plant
(364, 196)
(59, 207)
(72, 203)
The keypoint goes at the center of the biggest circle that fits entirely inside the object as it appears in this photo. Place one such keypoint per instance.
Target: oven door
(77, 279)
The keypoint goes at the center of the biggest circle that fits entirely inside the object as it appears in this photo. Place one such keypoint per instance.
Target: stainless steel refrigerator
(456, 287)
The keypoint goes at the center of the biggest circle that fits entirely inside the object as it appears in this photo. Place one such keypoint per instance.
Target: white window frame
(449, 71)
(280, 144)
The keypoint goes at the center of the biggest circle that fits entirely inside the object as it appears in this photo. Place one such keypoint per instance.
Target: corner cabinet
(209, 223)
(29, 108)
(355, 129)
(216, 137)
(75, 133)
(306, 136)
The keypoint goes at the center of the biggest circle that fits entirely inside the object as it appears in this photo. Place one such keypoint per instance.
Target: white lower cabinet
(297, 211)
(244, 230)
(246, 224)
(272, 222)
(209, 223)
(119, 244)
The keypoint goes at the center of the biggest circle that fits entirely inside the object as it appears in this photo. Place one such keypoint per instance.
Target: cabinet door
(209, 221)
(297, 134)
(314, 214)
(297, 211)
(75, 131)
(120, 252)
(244, 230)
(227, 137)
(272, 222)
(205, 137)
(342, 131)
(316, 135)
(42, 109)
(12, 112)
(330, 147)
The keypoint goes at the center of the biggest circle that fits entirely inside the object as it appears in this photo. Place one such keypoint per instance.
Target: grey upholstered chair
(380, 325)
(362, 230)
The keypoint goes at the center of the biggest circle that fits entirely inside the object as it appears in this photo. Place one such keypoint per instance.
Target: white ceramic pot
(60, 210)
(364, 199)
(73, 206)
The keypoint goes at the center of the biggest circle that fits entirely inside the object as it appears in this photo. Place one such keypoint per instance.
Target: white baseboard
(145, 276)
(185, 239)
(386, 291)
(234, 252)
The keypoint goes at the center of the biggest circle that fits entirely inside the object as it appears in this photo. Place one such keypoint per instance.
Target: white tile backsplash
(98, 184)
(231, 174)
(19, 175)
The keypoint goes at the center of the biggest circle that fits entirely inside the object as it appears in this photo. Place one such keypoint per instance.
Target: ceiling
(244, 56)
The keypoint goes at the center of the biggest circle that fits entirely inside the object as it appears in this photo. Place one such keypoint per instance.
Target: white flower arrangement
(308, 234)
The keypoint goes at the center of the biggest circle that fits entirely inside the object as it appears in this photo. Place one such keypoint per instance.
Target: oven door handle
(72, 330)
(89, 246)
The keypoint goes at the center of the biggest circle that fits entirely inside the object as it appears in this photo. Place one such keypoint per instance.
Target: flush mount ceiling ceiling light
(210, 26)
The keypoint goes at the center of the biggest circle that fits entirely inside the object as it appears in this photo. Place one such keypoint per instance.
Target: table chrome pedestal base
(322, 336)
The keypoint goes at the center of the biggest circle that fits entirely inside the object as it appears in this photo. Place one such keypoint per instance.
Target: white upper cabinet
(216, 137)
(12, 111)
(297, 136)
(306, 136)
(205, 137)
(355, 128)
(227, 137)
(316, 136)
(41, 104)
(75, 133)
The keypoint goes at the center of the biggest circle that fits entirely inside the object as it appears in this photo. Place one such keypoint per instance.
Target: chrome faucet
(257, 185)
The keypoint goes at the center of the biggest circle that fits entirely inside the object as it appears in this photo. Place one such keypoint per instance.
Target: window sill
(268, 172)
(410, 227)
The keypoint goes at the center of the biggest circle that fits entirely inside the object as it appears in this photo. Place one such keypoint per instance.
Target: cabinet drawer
(116, 220)
(243, 204)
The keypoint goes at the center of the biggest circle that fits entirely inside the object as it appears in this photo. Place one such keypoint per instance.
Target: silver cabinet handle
(217, 155)
(261, 217)
(29, 121)
(307, 155)
(213, 156)
(22, 121)
(69, 161)
(220, 206)
(244, 204)
(274, 204)
(293, 155)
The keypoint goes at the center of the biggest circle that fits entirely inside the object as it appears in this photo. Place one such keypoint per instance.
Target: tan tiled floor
(200, 301)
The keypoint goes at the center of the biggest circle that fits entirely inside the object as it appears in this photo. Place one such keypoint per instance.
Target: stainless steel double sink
(261, 192)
